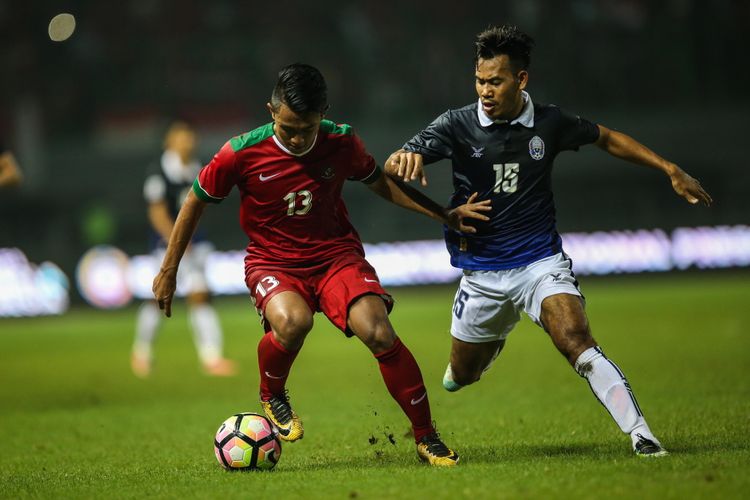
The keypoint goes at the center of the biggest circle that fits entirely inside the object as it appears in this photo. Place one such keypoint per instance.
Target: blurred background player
(503, 146)
(10, 174)
(166, 186)
(304, 255)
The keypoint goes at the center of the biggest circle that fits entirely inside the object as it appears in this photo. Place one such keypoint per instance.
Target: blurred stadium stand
(85, 117)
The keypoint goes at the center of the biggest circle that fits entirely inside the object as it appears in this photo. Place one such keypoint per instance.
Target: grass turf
(75, 423)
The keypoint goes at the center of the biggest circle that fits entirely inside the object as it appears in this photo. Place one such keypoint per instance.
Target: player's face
(499, 87)
(296, 132)
(183, 142)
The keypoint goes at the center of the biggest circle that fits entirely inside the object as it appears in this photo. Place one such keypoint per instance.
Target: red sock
(404, 381)
(274, 362)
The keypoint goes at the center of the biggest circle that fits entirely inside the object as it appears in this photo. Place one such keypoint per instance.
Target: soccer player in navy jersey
(503, 147)
(304, 255)
(167, 184)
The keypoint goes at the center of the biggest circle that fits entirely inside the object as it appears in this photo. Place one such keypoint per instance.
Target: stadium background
(85, 117)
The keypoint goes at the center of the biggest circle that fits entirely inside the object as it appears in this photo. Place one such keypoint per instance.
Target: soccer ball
(247, 441)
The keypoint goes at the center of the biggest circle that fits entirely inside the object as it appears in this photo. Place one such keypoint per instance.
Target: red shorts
(331, 288)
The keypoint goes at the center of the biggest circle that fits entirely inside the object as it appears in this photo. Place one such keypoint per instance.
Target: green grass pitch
(75, 423)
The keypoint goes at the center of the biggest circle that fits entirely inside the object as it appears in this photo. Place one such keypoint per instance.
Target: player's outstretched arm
(406, 196)
(625, 147)
(406, 165)
(165, 283)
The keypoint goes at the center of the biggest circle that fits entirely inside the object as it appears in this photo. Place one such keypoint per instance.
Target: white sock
(448, 383)
(612, 389)
(146, 329)
(206, 332)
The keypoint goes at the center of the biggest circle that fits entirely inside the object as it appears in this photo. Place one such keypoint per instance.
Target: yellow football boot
(432, 450)
(280, 413)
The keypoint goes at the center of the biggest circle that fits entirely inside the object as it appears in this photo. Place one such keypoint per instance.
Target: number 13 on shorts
(270, 283)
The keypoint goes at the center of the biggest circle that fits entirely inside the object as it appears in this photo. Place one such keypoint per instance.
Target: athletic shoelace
(435, 445)
(281, 408)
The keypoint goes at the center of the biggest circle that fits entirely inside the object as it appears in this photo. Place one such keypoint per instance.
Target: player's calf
(469, 361)
(612, 389)
(454, 380)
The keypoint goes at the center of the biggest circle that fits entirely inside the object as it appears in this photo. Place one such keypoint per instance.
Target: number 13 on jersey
(305, 202)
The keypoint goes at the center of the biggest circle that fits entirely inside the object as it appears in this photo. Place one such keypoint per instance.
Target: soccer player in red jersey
(304, 255)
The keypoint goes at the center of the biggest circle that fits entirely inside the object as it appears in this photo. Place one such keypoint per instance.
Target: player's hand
(406, 166)
(165, 284)
(689, 187)
(469, 210)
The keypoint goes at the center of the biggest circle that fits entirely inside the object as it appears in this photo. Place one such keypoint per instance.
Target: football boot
(432, 450)
(280, 413)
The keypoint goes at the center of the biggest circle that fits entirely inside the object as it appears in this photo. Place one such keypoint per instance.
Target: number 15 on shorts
(460, 303)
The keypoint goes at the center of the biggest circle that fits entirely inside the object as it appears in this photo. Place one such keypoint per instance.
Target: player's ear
(523, 79)
(270, 109)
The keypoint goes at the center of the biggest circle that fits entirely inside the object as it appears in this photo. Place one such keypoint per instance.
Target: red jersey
(291, 206)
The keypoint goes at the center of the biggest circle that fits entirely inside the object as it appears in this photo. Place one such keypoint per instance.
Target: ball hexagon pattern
(247, 441)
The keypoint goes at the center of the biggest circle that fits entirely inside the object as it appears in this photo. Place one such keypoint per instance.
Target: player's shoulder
(469, 109)
(252, 138)
(549, 114)
(332, 128)
(466, 115)
(556, 116)
(546, 109)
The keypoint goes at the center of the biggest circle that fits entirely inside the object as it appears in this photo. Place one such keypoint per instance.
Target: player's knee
(572, 338)
(292, 328)
(378, 337)
(197, 298)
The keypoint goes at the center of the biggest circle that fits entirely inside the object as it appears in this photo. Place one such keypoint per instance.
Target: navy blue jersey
(170, 180)
(509, 163)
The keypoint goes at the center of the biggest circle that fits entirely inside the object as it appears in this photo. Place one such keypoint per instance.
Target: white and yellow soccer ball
(247, 441)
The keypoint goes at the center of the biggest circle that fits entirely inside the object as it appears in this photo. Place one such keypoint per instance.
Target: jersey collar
(526, 118)
(284, 149)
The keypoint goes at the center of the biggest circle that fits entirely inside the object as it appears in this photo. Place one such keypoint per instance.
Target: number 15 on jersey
(506, 177)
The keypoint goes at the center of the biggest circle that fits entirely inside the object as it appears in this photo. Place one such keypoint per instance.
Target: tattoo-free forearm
(408, 197)
(182, 232)
(625, 147)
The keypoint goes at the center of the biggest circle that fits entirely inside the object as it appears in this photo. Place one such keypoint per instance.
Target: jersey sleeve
(363, 165)
(215, 180)
(576, 132)
(435, 142)
(154, 189)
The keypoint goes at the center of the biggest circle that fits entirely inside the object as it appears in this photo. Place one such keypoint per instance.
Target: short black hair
(508, 40)
(302, 88)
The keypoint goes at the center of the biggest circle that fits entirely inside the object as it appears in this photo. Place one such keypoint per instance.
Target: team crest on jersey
(328, 173)
(536, 148)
